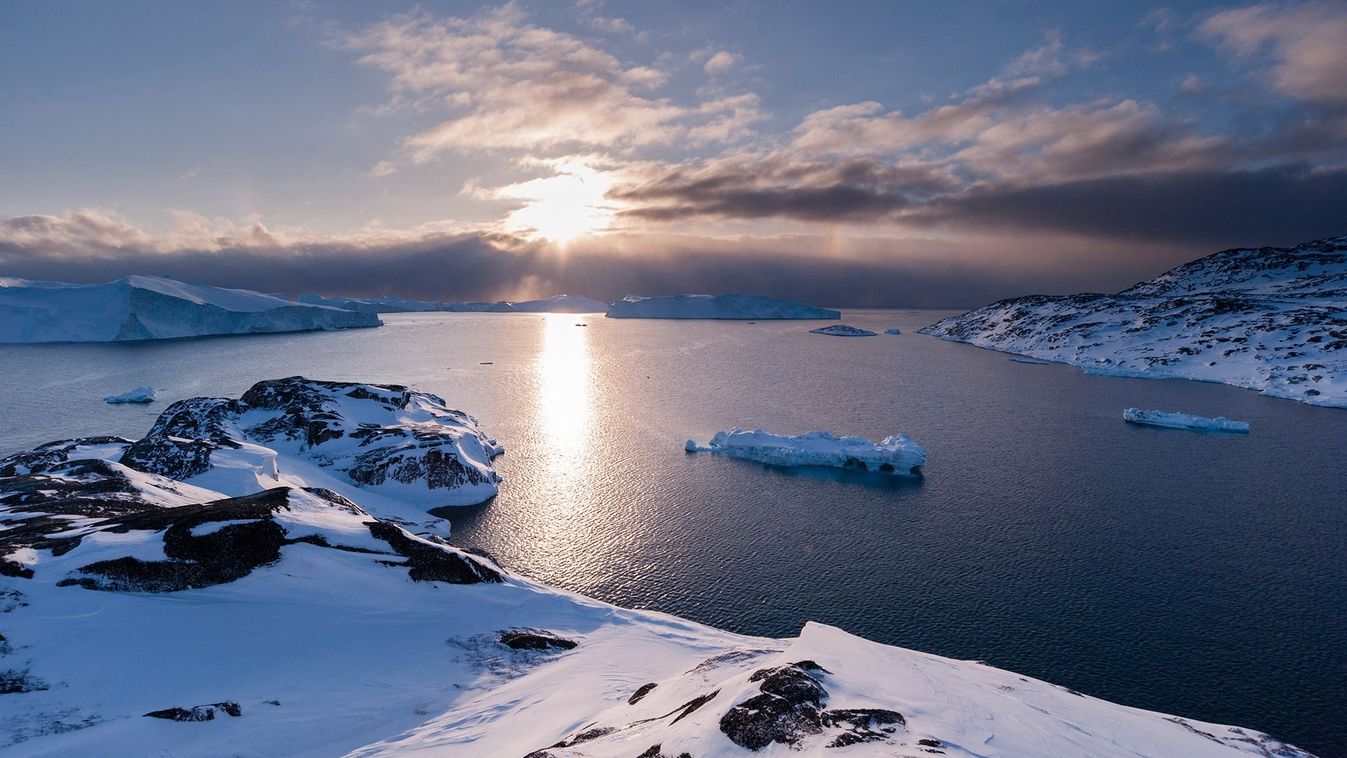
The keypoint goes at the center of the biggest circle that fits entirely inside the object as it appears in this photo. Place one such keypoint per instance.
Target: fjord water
(1203, 575)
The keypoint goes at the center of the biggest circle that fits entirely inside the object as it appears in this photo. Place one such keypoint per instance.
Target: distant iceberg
(1185, 421)
(895, 330)
(137, 395)
(897, 455)
(842, 330)
(716, 307)
(151, 307)
(562, 304)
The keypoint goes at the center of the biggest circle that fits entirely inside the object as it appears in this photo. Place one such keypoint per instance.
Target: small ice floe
(897, 455)
(1185, 421)
(1029, 361)
(137, 395)
(895, 330)
(842, 330)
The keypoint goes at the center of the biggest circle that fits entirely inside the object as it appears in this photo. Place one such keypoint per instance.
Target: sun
(569, 204)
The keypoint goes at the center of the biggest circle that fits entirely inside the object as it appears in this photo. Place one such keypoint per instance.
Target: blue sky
(960, 150)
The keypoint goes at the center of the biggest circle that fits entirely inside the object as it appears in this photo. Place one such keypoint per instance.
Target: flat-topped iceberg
(894, 330)
(842, 330)
(151, 307)
(562, 304)
(1184, 421)
(716, 307)
(897, 454)
(137, 395)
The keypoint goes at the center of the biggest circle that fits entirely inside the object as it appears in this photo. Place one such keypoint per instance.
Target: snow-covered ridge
(301, 618)
(1184, 421)
(1269, 319)
(149, 307)
(897, 454)
(715, 307)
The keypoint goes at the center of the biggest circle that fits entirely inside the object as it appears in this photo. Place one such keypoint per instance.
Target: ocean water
(1203, 575)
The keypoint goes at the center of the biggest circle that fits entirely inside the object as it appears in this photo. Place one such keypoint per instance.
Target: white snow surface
(137, 395)
(715, 307)
(897, 454)
(842, 330)
(334, 649)
(1268, 319)
(1184, 421)
(149, 307)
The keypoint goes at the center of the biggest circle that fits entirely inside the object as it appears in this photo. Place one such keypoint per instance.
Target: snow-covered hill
(1270, 319)
(230, 585)
(715, 307)
(149, 307)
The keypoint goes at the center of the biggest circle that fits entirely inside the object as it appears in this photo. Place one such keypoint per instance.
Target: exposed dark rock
(862, 724)
(694, 704)
(641, 692)
(13, 682)
(432, 563)
(534, 639)
(788, 709)
(16, 570)
(197, 713)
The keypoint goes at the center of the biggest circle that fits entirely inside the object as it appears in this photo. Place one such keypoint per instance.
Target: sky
(908, 154)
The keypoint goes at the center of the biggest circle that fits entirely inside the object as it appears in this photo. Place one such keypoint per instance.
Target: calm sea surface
(1199, 575)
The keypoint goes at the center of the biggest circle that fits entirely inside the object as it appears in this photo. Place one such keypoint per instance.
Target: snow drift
(715, 307)
(148, 307)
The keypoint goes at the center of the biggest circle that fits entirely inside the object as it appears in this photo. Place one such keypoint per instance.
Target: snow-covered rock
(148, 307)
(1184, 421)
(145, 615)
(896, 454)
(715, 307)
(842, 330)
(137, 395)
(562, 304)
(1269, 319)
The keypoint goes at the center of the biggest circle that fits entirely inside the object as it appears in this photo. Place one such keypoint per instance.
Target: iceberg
(150, 308)
(1184, 421)
(383, 304)
(1026, 360)
(897, 454)
(300, 613)
(893, 331)
(842, 330)
(562, 304)
(715, 307)
(137, 395)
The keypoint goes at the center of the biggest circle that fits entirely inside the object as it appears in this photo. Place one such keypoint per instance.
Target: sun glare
(561, 207)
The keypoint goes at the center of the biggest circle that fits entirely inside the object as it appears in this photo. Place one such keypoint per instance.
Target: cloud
(1300, 48)
(720, 62)
(446, 265)
(511, 85)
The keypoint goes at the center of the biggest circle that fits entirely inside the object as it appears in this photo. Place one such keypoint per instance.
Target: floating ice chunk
(1028, 361)
(895, 330)
(842, 330)
(897, 454)
(1185, 421)
(137, 395)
